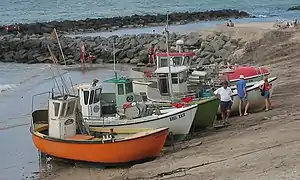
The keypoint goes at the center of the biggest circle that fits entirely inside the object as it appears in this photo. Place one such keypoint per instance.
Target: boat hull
(179, 123)
(140, 86)
(121, 152)
(206, 113)
(256, 100)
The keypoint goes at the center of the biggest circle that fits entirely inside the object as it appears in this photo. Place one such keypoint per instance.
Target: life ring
(129, 98)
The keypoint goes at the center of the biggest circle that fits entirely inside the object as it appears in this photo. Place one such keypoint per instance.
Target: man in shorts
(224, 93)
(242, 94)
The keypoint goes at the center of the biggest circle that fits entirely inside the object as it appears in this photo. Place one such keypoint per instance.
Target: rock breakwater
(209, 47)
(108, 24)
(294, 8)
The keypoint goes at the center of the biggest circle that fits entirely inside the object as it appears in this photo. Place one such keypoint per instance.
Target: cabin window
(120, 89)
(86, 97)
(163, 62)
(128, 88)
(70, 109)
(174, 78)
(183, 77)
(97, 95)
(63, 108)
(56, 108)
(186, 61)
(92, 97)
(177, 61)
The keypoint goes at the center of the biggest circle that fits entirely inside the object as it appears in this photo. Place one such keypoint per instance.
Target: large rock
(223, 53)
(193, 41)
(237, 55)
(202, 61)
(217, 43)
(229, 47)
(134, 61)
(32, 43)
(130, 53)
(205, 46)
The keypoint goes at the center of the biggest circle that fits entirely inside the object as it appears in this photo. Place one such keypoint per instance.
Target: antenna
(63, 56)
(55, 62)
(114, 56)
(169, 63)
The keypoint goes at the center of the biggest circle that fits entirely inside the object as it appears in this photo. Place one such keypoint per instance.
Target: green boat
(206, 113)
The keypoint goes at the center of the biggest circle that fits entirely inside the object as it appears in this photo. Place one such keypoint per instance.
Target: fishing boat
(123, 109)
(250, 73)
(144, 76)
(254, 96)
(169, 82)
(59, 131)
(205, 77)
(159, 92)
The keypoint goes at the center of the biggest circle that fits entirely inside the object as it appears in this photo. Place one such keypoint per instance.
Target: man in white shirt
(224, 93)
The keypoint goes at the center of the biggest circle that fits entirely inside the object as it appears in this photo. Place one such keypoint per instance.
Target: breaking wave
(6, 87)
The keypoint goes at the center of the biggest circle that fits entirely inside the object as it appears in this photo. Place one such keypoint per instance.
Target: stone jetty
(209, 48)
(294, 8)
(109, 24)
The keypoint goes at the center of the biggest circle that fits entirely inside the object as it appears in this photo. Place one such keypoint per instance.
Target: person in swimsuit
(266, 87)
(151, 54)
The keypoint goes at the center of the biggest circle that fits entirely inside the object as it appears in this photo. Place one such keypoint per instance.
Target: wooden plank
(80, 137)
(120, 130)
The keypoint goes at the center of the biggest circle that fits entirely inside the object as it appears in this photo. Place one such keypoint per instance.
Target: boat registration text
(173, 118)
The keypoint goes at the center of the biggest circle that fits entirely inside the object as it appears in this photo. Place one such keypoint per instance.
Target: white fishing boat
(120, 109)
(256, 100)
(144, 76)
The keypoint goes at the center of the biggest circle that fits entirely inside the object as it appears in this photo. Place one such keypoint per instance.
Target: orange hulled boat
(61, 132)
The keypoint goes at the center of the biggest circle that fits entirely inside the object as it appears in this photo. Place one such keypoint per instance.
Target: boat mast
(63, 56)
(114, 56)
(60, 48)
(169, 63)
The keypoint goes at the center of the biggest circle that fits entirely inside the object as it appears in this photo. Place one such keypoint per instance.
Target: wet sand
(261, 145)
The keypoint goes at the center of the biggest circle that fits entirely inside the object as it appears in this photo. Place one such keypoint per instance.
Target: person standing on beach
(242, 93)
(82, 55)
(230, 23)
(265, 89)
(82, 52)
(151, 54)
(156, 50)
(91, 58)
(224, 93)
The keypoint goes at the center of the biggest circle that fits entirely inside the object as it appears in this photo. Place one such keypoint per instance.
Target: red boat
(251, 73)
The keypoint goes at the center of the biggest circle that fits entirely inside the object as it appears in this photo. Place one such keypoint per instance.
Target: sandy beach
(259, 146)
